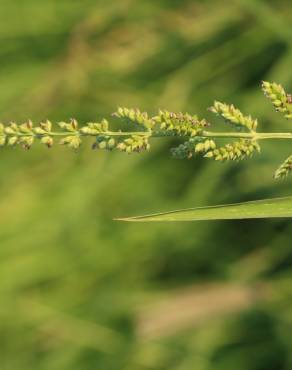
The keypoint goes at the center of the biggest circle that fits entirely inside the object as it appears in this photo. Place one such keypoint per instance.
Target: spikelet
(48, 141)
(26, 141)
(94, 129)
(279, 98)
(205, 146)
(236, 151)
(284, 169)
(195, 145)
(104, 142)
(72, 141)
(43, 128)
(234, 116)
(135, 116)
(186, 149)
(182, 151)
(179, 124)
(72, 126)
(134, 144)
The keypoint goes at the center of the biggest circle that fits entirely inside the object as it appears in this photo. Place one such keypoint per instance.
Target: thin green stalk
(160, 134)
(248, 135)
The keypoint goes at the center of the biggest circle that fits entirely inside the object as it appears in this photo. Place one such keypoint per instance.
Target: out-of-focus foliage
(72, 281)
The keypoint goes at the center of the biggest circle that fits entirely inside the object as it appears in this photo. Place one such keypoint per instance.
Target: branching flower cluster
(197, 140)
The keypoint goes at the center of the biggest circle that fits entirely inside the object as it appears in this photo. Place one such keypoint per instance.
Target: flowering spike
(73, 141)
(134, 144)
(135, 116)
(279, 98)
(193, 131)
(235, 151)
(179, 123)
(48, 141)
(234, 116)
(284, 169)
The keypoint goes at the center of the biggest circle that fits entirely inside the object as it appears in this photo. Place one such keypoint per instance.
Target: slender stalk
(249, 135)
(157, 134)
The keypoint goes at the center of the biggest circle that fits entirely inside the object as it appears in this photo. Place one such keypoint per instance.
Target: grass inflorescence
(244, 139)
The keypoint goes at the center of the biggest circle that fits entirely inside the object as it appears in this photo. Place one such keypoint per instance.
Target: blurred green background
(80, 291)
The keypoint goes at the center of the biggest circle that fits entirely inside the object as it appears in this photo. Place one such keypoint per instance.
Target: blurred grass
(71, 279)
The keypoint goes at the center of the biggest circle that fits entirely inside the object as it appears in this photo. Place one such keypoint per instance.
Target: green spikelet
(179, 123)
(194, 145)
(95, 128)
(26, 141)
(134, 144)
(48, 141)
(104, 142)
(186, 149)
(279, 98)
(205, 146)
(182, 151)
(72, 141)
(72, 126)
(234, 116)
(135, 116)
(236, 151)
(284, 169)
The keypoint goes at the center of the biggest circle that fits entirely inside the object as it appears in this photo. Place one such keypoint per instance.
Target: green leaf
(267, 208)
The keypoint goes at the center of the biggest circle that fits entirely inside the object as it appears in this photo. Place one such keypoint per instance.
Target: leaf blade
(267, 208)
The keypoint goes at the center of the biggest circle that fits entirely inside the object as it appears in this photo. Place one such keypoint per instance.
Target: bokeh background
(81, 291)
